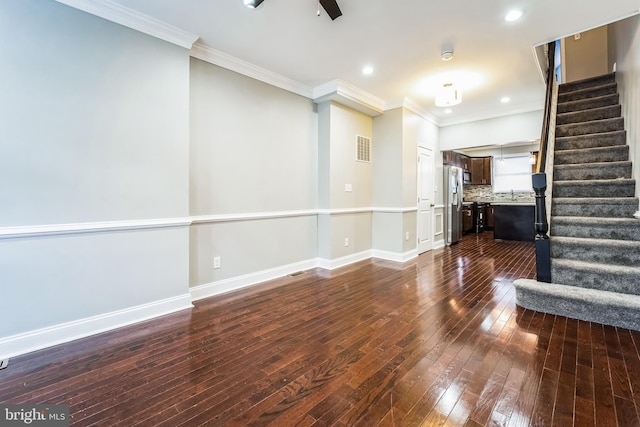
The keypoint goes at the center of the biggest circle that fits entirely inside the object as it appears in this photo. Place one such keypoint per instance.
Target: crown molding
(114, 12)
(414, 107)
(213, 56)
(349, 96)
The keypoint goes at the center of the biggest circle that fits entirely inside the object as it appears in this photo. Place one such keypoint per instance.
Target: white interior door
(425, 199)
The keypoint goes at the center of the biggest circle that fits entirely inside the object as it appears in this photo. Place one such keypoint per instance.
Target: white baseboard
(395, 256)
(331, 264)
(16, 345)
(439, 244)
(239, 282)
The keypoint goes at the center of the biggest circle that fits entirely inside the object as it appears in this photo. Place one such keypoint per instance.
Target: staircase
(595, 240)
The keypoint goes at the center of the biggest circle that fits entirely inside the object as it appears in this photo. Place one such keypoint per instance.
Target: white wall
(627, 55)
(587, 56)
(398, 133)
(339, 127)
(500, 130)
(94, 128)
(253, 151)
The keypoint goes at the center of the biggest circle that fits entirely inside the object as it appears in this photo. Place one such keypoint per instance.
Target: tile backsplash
(483, 193)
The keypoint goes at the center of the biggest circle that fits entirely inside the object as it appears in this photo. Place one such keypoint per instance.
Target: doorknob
(431, 205)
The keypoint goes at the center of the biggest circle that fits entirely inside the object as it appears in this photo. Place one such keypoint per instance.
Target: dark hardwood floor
(435, 341)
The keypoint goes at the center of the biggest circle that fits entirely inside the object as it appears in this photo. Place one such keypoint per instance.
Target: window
(513, 173)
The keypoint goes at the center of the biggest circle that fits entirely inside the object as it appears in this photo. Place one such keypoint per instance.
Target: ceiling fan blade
(332, 8)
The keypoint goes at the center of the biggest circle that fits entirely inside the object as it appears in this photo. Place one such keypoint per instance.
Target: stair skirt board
(589, 305)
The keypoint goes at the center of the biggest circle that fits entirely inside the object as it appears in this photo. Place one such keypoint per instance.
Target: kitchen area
(496, 194)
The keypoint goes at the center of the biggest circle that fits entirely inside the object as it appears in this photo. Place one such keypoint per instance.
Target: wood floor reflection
(435, 341)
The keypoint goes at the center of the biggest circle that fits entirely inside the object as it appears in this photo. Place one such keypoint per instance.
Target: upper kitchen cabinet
(451, 158)
(481, 170)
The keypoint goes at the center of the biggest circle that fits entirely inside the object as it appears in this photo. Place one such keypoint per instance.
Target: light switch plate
(347, 187)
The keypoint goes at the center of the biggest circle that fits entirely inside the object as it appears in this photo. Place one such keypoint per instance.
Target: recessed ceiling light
(505, 99)
(367, 70)
(448, 111)
(513, 15)
(252, 3)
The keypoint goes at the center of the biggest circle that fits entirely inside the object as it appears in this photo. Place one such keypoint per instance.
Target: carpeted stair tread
(595, 188)
(590, 92)
(604, 139)
(617, 153)
(594, 126)
(583, 116)
(602, 251)
(588, 103)
(593, 275)
(602, 170)
(591, 305)
(616, 207)
(594, 227)
(589, 82)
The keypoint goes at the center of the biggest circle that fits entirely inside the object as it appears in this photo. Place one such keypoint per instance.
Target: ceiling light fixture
(448, 96)
(513, 15)
(252, 3)
(367, 70)
(505, 99)
(532, 156)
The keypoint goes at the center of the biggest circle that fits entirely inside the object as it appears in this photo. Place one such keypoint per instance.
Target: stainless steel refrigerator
(452, 184)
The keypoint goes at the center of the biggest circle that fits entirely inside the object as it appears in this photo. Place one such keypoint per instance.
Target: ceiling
(401, 39)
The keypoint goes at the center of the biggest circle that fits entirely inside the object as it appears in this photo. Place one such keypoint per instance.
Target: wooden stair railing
(539, 179)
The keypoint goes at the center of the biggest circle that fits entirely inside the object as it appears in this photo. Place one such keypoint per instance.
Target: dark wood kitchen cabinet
(488, 217)
(487, 166)
(467, 218)
(451, 158)
(481, 170)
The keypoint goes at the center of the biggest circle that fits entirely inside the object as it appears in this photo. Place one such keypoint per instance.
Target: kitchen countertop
(502, 202)
(513, 203)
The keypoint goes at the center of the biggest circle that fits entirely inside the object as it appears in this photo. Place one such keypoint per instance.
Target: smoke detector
(446, 54)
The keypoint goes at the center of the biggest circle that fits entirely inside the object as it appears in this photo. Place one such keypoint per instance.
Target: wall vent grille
(363, 149)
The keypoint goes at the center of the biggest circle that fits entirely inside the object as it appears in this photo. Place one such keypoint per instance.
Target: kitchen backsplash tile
(483, 193)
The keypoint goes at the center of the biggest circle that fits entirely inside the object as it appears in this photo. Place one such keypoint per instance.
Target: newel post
(543, 245)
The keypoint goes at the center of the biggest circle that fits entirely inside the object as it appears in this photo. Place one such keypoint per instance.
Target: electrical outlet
(348, 187)
(346, 241)
(216, 262)
(406, 236)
